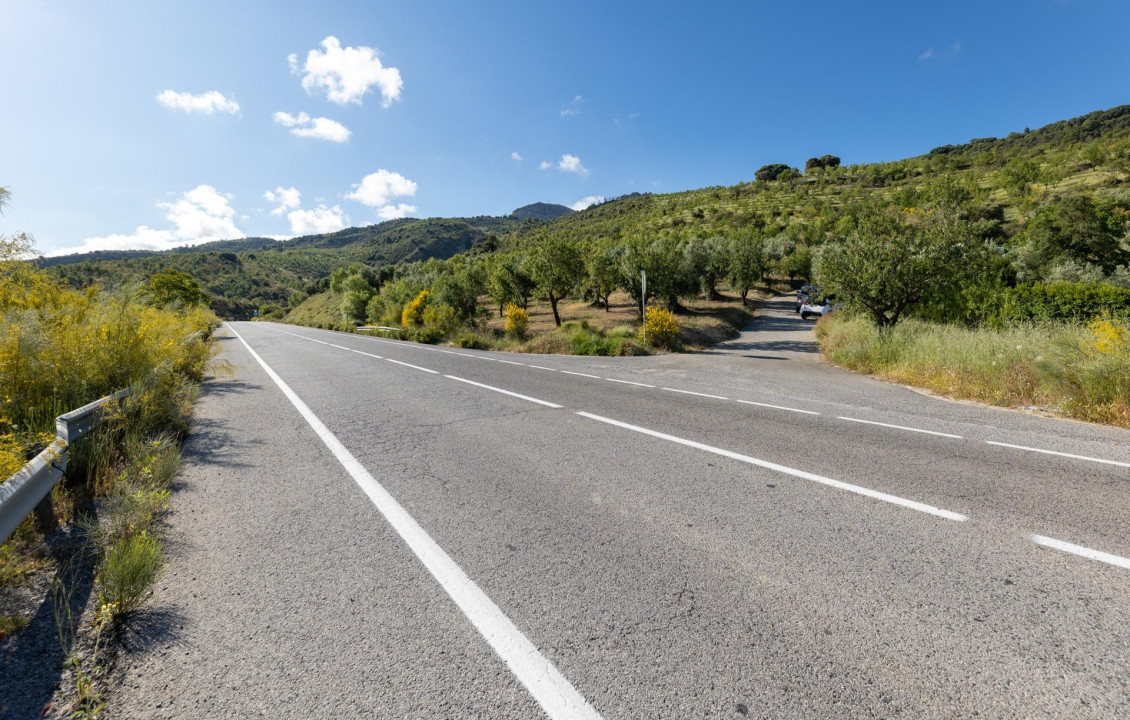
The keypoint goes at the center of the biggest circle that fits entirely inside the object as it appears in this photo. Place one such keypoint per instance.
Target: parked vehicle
(804, 294)
(815, 309)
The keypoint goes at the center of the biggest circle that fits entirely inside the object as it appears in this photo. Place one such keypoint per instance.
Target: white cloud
(392, 212)
(587, 202)
(572, 163)
(545, 165)
(208, 103)
(321, 128)
(200, 215)
(319, 220)
(573, 108)
(377, 189)
(346, 74)
(515, 156)
(287, 198)
(931, 54)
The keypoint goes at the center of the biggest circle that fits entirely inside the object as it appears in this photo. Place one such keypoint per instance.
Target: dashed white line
(838, 484)
(511, 362)
(570, 372)
(541, 678)
(899, 427)
(504, 392)
(414, 367)
(778, 407)
(359, 352)
(1061, 454)
(1082, 551)
(691, 392)
(628, 382)
(539, 367)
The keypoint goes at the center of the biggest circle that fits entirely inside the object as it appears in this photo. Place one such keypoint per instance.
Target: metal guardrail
(30, 488)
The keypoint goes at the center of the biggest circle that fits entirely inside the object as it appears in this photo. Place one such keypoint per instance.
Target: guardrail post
(45, 515)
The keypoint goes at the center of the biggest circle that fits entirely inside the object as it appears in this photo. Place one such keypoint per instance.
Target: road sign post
(643, 301)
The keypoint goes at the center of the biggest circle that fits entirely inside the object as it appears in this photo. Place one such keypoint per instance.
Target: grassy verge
(1081, 371)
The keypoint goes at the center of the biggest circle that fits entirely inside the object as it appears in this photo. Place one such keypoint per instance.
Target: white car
(813, 310)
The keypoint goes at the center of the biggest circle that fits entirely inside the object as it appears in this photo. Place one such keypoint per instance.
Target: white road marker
(898, 427)
(511, 362)
(552, 690)
(1082, 551)
(539, 367)
(504, 392)
(778, 407)
(414, 367)
(628, 382)
(570, 372)
(339, 347)
(838, 484)
(691, 392)
(359, 352)
(1061, 454)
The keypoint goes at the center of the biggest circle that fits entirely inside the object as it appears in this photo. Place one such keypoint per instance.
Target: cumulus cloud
(587, 202)
(207, 103)
(573, 108)
(515, 156)
(321, 219)
(572, 164)
(321, 128)
(287, 199)
(392, 212)
(346, 74)
(200, 215)
(545, 165)
(377, 189)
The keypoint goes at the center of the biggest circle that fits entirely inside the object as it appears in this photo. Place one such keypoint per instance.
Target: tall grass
(1082, 371)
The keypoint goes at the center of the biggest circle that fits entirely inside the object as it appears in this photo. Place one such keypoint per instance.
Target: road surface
(369, 528)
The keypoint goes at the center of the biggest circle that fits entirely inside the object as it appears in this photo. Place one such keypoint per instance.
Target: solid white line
(629, 382)
(875, 494)
(691, 392)
(1061, 454)
(539, 367)
(1082, 551)
(504, 392)
(570, 372)
(898, 427)
(414, 367)
(546, 684)
(778, 407)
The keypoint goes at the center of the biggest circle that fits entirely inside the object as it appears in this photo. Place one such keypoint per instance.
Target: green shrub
(473, 341)
(1078, 302)
(129, 568)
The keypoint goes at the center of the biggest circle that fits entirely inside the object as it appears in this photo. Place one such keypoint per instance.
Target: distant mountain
(540, 211)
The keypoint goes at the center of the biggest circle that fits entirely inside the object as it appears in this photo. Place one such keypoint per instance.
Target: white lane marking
(511, 362)
(359, 352)
(339, 347)
(546, 684)
(414, 367)
(691, 392)
(504, 392)
(1061, 454)
(875, 494)
(628, 382)
(570, 372)
(1082, 551)
(778, 407)
(898, 427)
(539, 367)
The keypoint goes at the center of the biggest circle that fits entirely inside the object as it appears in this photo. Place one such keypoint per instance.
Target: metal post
(643, 301)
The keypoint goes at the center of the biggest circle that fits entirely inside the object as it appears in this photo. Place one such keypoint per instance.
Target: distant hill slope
(540, 211)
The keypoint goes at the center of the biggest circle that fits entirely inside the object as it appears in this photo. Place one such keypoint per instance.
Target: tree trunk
(553, 303)
(500, 310)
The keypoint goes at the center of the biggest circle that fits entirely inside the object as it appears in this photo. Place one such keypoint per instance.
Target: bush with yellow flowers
(517, 321)
(661, 329)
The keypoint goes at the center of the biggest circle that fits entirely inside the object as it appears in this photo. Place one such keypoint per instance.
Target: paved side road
(675, 537)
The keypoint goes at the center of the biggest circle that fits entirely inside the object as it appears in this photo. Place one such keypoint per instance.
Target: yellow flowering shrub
(661, 329)
(517, 321)
(413, 313)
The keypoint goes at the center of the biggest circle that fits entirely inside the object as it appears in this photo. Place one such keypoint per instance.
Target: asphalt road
(413, 531)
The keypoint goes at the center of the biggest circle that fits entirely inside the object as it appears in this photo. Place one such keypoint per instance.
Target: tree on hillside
(555, 265)
(1074, 230)
(662, 258)
(769, 173)
(602, 269)
(893, 262)
(745, 264)
(502, 282)
(822, 162)
(173, 287)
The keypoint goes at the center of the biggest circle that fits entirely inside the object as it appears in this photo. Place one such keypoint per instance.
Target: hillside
(540, 211)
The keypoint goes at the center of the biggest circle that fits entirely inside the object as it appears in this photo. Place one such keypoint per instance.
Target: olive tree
(556, 267)
(893, 262)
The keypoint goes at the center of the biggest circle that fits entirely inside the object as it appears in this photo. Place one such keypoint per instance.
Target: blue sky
(423, 108)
